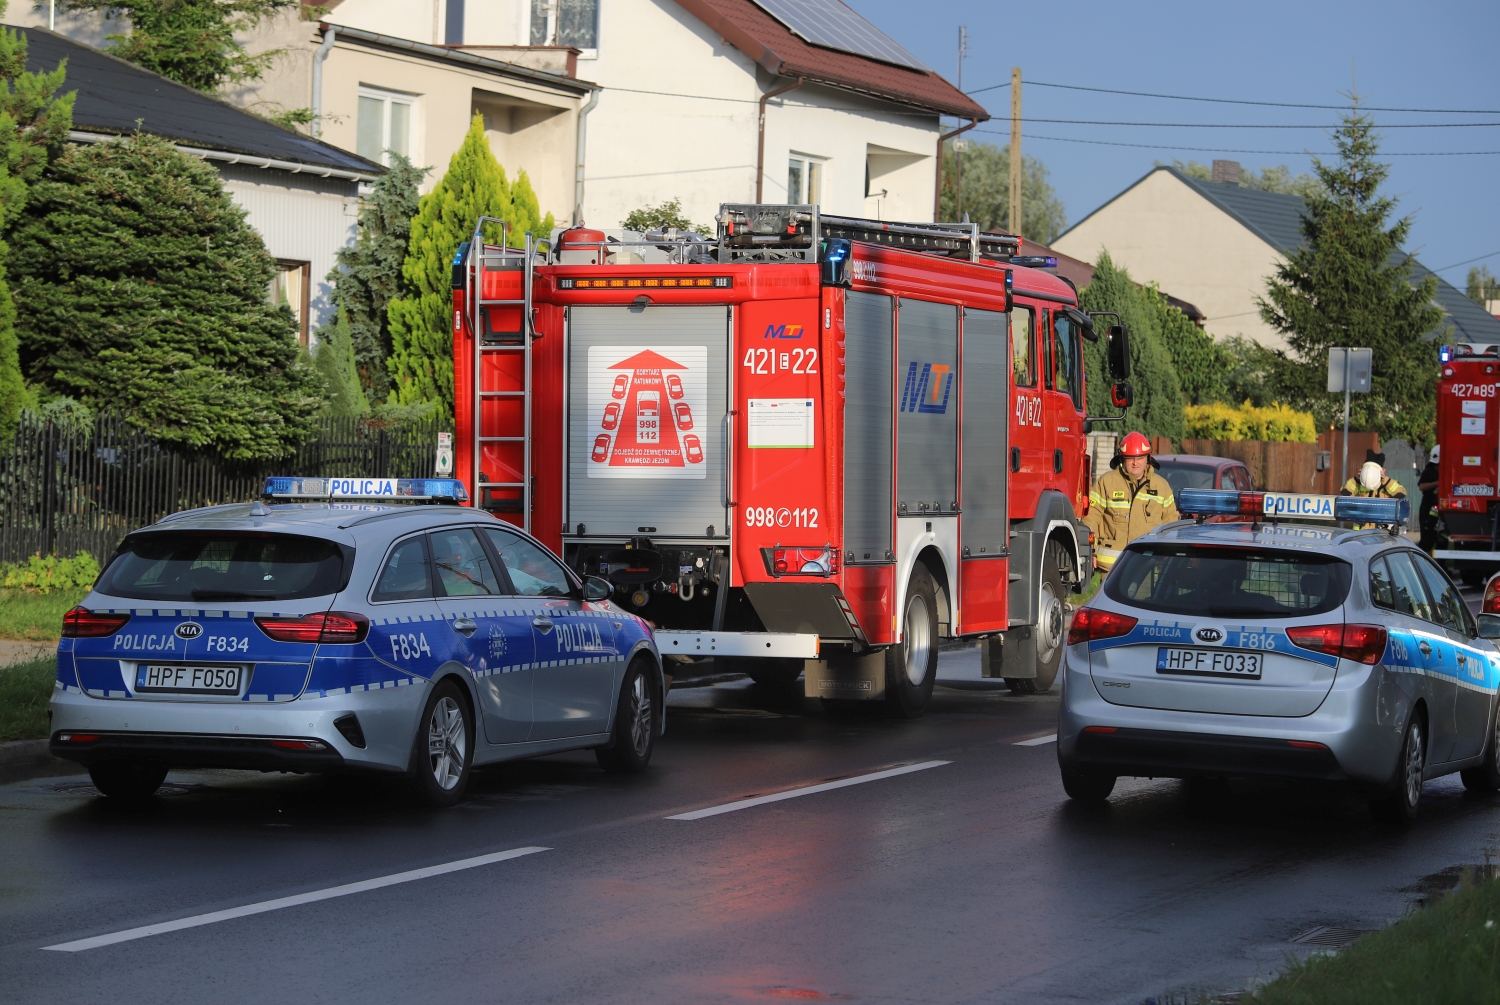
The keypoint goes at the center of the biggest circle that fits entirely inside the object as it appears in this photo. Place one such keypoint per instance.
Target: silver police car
(1270, 648)
(415, 640)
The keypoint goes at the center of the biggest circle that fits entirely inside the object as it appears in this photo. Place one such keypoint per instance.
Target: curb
(22, 760)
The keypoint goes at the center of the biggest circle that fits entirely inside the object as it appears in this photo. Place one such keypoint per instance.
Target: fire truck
(1469, 465)
(807, 445)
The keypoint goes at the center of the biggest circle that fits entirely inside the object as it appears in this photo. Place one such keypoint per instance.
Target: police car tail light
(334, 627)
(1361, 643)
(81, 623)
(1091, 624)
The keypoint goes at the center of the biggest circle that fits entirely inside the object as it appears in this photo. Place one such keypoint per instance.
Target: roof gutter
(760, 143)
(459, 56)
(937, 188)
(291, 167)
(317, 78)
(583, 139)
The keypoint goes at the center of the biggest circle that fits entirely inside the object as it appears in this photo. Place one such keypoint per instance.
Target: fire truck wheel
(1052, 623)
(911, 667)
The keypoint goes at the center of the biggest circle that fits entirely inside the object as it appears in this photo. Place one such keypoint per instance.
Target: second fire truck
(810, 443)
(1468, 430)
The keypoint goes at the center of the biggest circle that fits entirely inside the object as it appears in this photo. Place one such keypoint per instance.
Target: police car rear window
(223, 566)
(1228, 582)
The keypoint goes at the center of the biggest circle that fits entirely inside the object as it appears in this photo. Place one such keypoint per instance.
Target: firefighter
(1427, 518)
(1128, 500)
(1373, 481)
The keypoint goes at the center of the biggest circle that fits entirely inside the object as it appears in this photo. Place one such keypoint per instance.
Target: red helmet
(1135, 445)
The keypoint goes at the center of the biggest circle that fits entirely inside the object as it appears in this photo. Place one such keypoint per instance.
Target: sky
(1436, 55)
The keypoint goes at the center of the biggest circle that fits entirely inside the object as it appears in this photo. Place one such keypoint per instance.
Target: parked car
(1196, 471)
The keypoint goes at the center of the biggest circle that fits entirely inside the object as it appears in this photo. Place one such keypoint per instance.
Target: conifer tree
(368, 276)
(1157, 410)
(336, 365)
(141, 289)
(1349, 284)
(34, 122)
(421, 362)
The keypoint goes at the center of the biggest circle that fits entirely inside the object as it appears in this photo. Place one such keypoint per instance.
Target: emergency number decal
(647, 409)
(1028, 410)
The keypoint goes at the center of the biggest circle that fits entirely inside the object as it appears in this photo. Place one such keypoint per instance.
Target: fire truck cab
(1468, 430)
(810, 444)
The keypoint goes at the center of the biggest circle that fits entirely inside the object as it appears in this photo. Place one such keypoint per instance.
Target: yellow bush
(1276, 422)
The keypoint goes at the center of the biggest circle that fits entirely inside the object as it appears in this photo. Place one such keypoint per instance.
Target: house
(301, 194)
(704, 101)
(1216, 243)
(1080, 274)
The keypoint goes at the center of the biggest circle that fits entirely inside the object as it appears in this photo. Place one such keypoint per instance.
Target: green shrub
(25, 690)
(50, 574)
(1275, 422)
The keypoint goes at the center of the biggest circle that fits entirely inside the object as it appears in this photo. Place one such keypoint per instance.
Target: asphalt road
(970, 881)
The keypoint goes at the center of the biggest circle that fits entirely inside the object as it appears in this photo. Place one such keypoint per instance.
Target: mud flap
(1017, 655)
(851, 678)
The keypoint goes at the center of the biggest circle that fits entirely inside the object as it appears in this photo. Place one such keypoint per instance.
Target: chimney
(1227, 172)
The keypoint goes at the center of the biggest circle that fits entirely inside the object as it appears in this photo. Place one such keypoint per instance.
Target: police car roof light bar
(443, 490)
(1203, 503)
(1364, 509)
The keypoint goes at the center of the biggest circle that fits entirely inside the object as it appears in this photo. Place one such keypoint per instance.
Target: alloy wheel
(640, 715)
(1412, 769)
(446, 741)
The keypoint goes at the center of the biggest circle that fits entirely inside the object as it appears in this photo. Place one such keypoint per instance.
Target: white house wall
(301, 218)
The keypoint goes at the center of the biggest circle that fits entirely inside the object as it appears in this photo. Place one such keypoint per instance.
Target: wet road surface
(973, 880)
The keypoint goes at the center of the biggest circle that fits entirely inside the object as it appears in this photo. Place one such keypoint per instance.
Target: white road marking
(1036, 741)
(807, 790)
(301, 898)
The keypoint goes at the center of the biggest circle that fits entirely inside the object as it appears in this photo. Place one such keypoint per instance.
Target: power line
(1467, 262)
(1251, 125)
(1232, 150)
(1236, 101)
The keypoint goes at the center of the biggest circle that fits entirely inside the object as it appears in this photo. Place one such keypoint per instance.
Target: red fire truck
(1468, 467)
(813, 443)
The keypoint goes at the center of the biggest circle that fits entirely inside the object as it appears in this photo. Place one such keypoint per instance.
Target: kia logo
(1209, 634)
(189, 630)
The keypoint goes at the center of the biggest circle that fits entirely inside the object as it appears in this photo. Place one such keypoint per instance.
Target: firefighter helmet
(1133, 445)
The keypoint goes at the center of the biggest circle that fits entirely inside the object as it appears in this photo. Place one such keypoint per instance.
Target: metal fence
(68, 490)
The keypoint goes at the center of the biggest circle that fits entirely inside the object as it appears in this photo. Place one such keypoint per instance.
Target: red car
(621, 383)
(694, 448)
(683, 414)
(674, 385)
(601, 447)
(1195, 471)
(611, 415)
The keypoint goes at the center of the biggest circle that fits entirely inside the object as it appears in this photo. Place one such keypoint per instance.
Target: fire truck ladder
(488, 341)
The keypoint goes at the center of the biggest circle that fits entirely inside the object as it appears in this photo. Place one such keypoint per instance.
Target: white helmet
(1369, 475)
(1432, 457)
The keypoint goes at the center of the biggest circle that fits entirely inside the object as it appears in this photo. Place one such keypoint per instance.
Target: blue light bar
(1364, 509)
(1208, 502)
(1035, 261)
(375, 489)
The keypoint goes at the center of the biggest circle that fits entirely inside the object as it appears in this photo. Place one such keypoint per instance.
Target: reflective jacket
(1120, 512)
(1389, 489)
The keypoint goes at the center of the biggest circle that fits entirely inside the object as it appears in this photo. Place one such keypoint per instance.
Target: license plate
(188, 680)
(1208, 662)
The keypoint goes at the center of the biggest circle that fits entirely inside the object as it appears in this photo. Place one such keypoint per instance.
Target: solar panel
(834, 25)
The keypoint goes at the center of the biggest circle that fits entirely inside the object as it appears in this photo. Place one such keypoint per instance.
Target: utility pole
(1015, 150)
(958, 145)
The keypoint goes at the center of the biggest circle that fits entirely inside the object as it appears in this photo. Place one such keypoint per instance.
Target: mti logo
(783, 331)
(927, 391)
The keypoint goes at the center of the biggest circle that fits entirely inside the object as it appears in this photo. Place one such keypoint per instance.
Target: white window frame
(808, 161)
(389, 97)
(529, 7)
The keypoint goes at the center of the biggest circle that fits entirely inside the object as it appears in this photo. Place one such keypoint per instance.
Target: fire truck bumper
(1461, 555)
(769, 645)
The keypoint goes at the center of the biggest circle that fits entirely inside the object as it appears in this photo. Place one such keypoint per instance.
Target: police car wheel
(1485, 776)
(443, 748)
(1086, 787)
(125, 780)
(1400, 807)
(634, 736)
(911, 666)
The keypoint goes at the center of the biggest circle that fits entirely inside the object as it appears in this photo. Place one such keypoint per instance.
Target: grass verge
(25, 689)
(25, 615)
(1448, 953)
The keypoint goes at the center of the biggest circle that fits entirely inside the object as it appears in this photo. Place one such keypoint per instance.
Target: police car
(1282, 649)
(340, 628)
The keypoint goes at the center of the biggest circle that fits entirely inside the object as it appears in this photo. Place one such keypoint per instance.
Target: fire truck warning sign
(648, 406)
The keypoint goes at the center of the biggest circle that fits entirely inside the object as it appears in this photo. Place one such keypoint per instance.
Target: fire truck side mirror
(1121, 394)
(1119, 352)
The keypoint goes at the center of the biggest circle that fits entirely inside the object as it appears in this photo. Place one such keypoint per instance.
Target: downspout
(329, 34)
(937, 194)
(583, 137)
(760, 145)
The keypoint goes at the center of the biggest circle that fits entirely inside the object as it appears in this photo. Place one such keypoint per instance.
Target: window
(804, 180)
(217, 566)
(406, 575)
(1023, 347)
(1382, 592)
(1408, 596)
(1228, 582)
(462, 567)
(1449, 607)
(384, 124)
(533, 572)
(292, 286)
(1065, 359)
(566, 22)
